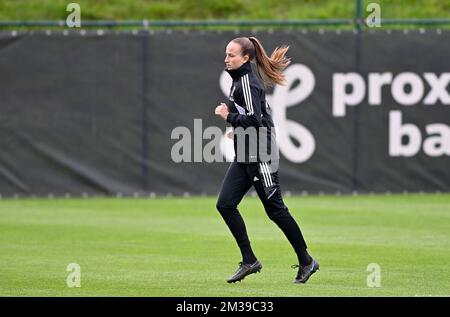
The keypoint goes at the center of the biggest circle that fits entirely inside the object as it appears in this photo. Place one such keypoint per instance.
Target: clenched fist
(222, 111)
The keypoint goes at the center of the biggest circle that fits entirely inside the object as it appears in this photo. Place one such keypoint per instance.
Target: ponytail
(270, 69)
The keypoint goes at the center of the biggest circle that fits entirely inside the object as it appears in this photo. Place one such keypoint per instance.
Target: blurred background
(112, 101)
(92, 92)
(233, 10)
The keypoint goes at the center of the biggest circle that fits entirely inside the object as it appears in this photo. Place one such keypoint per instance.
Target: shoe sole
(240, 279)
(312, 272)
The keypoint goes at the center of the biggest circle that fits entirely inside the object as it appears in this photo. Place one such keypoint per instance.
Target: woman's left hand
(222, 111)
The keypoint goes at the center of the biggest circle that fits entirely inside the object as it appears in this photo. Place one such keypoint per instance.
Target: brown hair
(270, 69)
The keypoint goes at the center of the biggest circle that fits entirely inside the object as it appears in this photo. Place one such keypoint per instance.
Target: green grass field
(181, 247)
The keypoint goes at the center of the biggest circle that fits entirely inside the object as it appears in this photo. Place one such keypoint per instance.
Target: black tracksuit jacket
(249, 109)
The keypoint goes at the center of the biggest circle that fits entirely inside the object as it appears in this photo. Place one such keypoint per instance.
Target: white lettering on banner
(407, 89)
(399, 83)
(341, 98)
(286, 130)
(398, 89)
(438, 88)
(397, 131)
(436, 145)
(376, 82)
(350, 89)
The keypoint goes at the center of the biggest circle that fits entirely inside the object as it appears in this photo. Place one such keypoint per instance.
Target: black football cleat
(305, 272)
(243, 270)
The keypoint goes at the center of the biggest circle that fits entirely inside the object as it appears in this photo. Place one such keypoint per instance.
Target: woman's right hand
(222, 111)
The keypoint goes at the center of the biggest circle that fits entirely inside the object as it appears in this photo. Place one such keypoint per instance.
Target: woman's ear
(246, 58)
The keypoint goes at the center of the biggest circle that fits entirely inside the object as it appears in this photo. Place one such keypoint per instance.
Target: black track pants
(238, 180)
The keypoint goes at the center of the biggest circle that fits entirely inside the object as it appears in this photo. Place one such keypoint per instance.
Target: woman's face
(234, 58)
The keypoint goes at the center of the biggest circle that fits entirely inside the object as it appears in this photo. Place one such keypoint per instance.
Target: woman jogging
(247, 112)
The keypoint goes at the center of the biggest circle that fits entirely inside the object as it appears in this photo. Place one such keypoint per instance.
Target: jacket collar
(241, 71)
